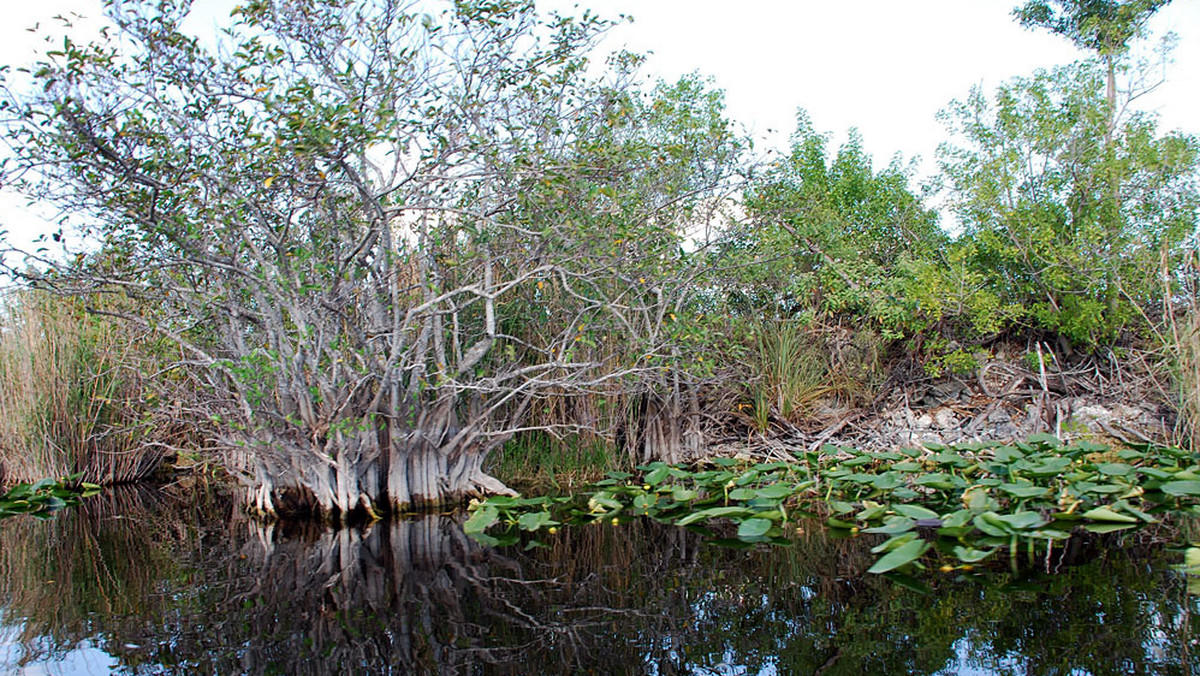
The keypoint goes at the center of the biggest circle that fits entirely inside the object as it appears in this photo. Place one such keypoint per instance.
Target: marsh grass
(794, 372)
(538, 458)
(75, 399)
(1186, 343)
(1180, 365)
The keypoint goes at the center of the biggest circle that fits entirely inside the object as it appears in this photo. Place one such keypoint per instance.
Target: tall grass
(1186, 344)
(794, 372)
(536, 457)
(1181, 338)
(74, 396)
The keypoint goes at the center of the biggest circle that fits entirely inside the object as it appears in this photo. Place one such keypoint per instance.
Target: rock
(1000, 415)
(945, 419)
(940, 393)
(1005, 430)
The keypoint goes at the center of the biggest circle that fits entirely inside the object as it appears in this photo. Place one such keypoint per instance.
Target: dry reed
(74, 399)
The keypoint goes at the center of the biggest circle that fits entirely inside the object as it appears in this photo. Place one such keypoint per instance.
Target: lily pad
(1181, 488)
(902, 555)
(753, 528)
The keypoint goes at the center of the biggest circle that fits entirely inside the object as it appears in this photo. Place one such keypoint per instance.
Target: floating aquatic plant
(969, 500)
(45, 496)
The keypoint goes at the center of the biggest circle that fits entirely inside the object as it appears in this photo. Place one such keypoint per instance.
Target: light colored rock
(945, 419)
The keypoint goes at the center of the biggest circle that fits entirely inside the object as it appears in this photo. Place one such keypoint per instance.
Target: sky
(885, 67)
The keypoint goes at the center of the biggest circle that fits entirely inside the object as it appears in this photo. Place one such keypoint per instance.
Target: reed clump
(1186, 339)
(76, 394)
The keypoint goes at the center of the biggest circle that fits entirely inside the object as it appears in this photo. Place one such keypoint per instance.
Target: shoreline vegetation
(367, 275)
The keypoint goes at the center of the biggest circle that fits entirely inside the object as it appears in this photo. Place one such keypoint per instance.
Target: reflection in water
(140, 583)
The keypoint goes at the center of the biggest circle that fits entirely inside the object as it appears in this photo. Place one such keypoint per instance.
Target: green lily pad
(972, 555)
(1025, 490)
(657, 475)
(713, 513)
(753, 528)
(481, 520)
(915, 511)
(1106, 514)
(1114, 468)
(1181, 488)
(900, 556)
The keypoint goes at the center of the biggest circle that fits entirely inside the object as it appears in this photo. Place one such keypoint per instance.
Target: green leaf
(960, 518)
(753, 528)
(915, 511)
(887, 481)
(535, 520)
(679, 494)
(1106, 527)
(712, 513)
(1024, 490)
(840, 507)
(972, 555)
(658, 475)
(1191, 559)
(742, 494)
(893, 525)
(481, 520)
(871, 513)
(1121, 504)
(1106, 514)
(1023, 520)
(1044, 439)
(900, 556)
(603, 502)
(644, 501)
(1114, 469)
(893, 542)
(1181, 488)
(775, 491)
(939, 481)
(1007, 454)
(1049, 467)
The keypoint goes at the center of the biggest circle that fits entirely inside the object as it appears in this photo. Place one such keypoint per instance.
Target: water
(138, 582)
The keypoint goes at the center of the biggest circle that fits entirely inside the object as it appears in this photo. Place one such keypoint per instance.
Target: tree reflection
(185, 595)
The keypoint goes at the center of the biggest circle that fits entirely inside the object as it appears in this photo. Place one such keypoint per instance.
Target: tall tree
(1105, 27)
(1031, 173)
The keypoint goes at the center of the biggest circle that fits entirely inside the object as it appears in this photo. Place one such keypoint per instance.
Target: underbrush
(77, 398)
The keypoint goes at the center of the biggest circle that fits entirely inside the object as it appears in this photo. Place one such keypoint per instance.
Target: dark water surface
(136, 582)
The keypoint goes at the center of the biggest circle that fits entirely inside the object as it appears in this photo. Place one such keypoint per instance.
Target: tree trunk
(671, 430)
(369, 471)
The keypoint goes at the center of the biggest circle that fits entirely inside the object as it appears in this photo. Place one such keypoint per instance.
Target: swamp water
(134, 581)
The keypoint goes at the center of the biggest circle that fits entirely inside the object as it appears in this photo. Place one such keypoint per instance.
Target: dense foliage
(391, 240)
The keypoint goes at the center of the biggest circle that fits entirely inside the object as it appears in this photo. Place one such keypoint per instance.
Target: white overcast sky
(883, 66)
